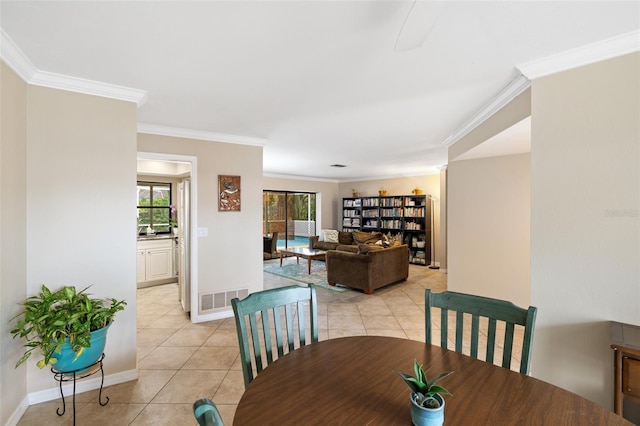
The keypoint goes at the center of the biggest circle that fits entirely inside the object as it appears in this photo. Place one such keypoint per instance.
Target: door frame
(194, 217)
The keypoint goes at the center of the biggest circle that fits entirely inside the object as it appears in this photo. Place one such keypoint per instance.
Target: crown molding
(506, 95)
(153, 129)
(299, 177)
(584, 55)
(15, 58)
(88, 87)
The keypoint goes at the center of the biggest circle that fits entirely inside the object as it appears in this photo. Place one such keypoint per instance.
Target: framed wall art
(228, 193)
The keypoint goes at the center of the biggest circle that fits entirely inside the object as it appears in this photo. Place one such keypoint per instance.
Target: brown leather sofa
(347, 241)
(370, 269)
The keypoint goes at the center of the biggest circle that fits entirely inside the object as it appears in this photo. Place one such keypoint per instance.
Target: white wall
(585, 225)
(230, 257)
(81, 174)
(488, 227)
(13, 244)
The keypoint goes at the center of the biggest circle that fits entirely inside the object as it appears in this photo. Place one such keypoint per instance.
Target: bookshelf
(405, 216)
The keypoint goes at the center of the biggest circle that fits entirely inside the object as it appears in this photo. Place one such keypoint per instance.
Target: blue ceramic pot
(67, 361)
(421, 416)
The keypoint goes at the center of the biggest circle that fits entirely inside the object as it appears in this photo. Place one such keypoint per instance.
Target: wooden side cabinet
(627, 376)
(625, 341)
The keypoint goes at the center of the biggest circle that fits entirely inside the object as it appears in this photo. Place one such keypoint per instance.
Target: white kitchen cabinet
(155, 260)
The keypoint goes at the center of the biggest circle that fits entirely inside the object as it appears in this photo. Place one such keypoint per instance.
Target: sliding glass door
(292, 215)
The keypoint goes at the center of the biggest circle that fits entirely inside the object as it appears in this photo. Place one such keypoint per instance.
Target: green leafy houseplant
(50, 318)
(425, 390)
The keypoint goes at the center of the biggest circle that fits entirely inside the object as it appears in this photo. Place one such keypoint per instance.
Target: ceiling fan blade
(422, 17)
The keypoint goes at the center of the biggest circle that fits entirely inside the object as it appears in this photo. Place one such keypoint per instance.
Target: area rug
(299, 273)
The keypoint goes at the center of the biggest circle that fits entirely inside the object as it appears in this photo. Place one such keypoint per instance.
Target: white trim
(297, 177)
(15, 58)
(584, 55)
(83, 385)
(195, 317)
(17, 414)
(154, 129)
(516, 87)
(228, 313)
(89, 87)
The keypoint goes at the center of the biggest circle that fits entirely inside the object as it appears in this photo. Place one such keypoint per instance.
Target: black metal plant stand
(68, 376)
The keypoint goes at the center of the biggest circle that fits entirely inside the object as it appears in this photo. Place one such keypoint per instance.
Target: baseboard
(17, 414)
(83, 385)
(228, 313)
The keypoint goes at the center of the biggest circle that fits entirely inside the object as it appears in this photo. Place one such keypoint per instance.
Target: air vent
(339, 165)
(206, 302)
(219, 300)
(222, 299)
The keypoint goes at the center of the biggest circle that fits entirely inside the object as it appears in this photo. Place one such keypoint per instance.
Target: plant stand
(68, 376)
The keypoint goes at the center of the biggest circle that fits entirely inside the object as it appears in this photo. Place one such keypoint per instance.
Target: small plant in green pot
(67, 326)
(427, 403)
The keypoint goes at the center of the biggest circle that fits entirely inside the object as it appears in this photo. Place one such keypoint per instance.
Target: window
(291, 214)
(154, 207)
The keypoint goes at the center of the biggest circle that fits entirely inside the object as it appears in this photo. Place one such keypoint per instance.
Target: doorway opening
(179, 171)
(290, 214)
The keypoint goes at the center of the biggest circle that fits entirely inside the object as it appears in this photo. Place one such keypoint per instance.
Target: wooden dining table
(354, 381)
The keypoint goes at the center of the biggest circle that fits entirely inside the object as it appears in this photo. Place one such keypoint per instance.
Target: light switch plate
(203, 232)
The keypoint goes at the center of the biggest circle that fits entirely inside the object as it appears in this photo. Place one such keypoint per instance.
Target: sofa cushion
(323, 245)
(366, 248)
(347, 247)
(360, 237)
(345, 238)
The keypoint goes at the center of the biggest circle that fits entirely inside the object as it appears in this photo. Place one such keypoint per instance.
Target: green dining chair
(497, 313)
(263, 315)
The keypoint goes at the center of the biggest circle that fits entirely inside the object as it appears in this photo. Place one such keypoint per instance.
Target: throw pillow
(330, 235)
(360, 237)
(345, 238)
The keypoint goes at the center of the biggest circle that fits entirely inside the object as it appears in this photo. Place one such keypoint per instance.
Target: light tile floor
(180, 362)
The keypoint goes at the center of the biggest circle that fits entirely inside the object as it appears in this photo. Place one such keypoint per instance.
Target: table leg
(297, 259)
(309, 261)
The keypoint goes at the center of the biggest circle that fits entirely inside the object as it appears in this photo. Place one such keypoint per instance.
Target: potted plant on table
(427, 403)
(67, 326)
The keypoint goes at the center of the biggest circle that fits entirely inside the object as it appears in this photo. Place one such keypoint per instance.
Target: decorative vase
(422, 416)
(67, 361)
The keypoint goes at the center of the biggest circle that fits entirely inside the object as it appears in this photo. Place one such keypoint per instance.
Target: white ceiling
(316, 82)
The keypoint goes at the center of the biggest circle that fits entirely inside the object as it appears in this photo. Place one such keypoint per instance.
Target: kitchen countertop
(155, 237)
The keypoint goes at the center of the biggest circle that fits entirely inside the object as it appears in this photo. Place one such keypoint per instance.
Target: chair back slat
(491, 339)
(277, 309)
(508, 344)
(444, 321)
(475, 333)
(459, 331)
(484, 312)
(301, 324)
(290, 337)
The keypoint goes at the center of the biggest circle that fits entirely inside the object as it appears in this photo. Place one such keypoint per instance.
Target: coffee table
(303, 252)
